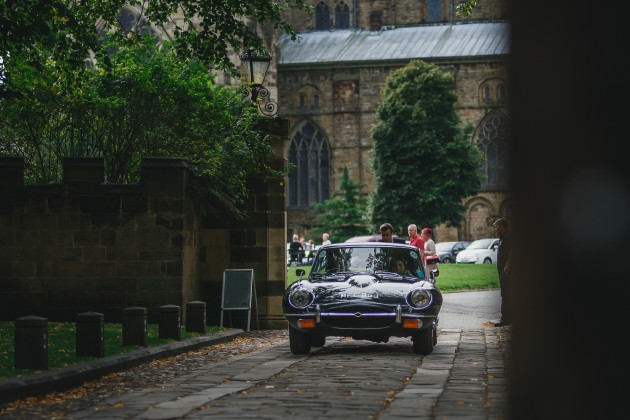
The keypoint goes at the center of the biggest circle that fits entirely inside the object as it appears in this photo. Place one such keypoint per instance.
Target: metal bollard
(196, 317)
(134, 325)
(90, 335)
(31, 343)
(169, 320)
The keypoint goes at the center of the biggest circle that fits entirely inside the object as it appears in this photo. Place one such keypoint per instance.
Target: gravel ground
(152, 374)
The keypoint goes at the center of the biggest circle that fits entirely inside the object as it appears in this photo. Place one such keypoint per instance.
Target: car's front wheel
(299, 342)
(487, 261)
(424, 340)
(446, 260)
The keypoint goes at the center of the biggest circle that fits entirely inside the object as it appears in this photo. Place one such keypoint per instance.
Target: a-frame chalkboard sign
(238, 289)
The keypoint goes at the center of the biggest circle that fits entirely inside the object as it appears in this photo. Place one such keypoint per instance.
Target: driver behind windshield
(399, 266)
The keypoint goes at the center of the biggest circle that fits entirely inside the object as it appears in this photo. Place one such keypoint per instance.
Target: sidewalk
(463, 377)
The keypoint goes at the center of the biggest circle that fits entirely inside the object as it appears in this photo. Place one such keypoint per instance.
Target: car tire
(299, 342)
(424, 340)
(446, 260)
(487, 261)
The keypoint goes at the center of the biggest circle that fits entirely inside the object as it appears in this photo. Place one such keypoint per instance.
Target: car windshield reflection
(385, 263)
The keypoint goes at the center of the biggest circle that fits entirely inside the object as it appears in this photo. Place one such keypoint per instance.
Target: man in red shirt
(416, 240)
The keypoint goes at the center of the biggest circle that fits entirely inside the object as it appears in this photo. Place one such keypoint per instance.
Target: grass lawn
(453, 277)
(62, 344)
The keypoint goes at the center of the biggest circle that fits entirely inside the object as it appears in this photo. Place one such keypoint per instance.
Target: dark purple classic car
(367, 291)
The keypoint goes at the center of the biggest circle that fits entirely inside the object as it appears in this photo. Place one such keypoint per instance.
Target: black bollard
(169, 320)
(196, 317)
(90, 335)
(134, 324)
(31, 343)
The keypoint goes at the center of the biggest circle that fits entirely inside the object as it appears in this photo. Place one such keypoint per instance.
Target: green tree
(149, 101)
(344, 215)
(424, 163)
(66, 30)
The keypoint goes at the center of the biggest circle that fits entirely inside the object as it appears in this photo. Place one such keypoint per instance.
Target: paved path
(463, 377)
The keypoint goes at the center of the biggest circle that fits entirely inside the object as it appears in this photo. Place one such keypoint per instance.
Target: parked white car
(481, 251)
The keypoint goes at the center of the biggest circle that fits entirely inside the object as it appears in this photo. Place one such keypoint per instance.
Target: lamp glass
(254, 68)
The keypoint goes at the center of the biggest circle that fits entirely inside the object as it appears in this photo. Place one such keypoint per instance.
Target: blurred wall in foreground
(569, 83)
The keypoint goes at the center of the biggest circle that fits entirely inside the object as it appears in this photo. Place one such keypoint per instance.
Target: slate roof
(430, 42)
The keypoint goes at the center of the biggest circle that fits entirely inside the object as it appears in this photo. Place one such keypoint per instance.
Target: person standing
(416, 240)
(296, 250)
(387, 234)
(429, 248)
(503, 267)
(325, 240)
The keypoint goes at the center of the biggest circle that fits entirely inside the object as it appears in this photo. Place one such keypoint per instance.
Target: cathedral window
(308, 181)
(322, 17)
(434, 10)
(492, 142)
(342, 16)
(302, 100)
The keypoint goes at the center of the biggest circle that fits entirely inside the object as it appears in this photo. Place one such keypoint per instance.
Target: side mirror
(300, 272)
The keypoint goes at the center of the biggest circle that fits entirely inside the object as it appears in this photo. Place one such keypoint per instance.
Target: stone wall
(83, 245)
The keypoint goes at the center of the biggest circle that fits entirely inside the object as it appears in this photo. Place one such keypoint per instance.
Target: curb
(75, 375)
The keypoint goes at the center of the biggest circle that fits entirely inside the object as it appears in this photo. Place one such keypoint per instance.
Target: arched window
(309, 180)
(302, 100)
(492, 142)
(434, 10)
(315, 100)
(322, 17)
(342, 16)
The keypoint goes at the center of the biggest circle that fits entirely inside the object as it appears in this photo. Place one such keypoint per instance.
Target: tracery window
(308, 181)
(492, 142)
(322, 17)
(434, 10)
(342, 16)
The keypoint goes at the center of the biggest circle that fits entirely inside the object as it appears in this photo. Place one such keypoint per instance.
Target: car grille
(359, 318)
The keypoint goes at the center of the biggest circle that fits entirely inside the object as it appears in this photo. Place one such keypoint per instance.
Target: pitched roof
(432, 42)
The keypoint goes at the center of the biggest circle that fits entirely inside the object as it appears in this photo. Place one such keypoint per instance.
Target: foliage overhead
(424, 163)
(344, 215)
(148, 102)
(69, 29)
(465, 8)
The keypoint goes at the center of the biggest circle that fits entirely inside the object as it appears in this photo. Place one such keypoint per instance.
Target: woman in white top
(429, 247)
(325, 239)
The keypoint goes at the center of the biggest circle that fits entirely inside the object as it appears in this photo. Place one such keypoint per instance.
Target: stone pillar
(12, 175)
(90, 335)
(134, 326)
(196, 317)
(31, 343)
(169, 320)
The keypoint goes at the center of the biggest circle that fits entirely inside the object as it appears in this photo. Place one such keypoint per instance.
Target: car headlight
(419, 298)
(300, 298)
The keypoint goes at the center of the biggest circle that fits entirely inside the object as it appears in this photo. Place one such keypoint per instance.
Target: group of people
(423, 241)
(299, 249)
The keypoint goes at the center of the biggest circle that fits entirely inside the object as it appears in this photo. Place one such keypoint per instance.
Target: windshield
(368, 260)
(480, 244)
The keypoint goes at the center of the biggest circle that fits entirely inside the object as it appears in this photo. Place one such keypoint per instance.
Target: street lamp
(253, 70)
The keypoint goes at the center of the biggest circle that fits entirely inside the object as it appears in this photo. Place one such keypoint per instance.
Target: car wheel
(299, 342)
(318, 340)
(487, 261)
(446, 260)
(424, 340)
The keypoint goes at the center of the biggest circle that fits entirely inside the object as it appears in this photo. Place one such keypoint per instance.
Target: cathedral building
(328, 85)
